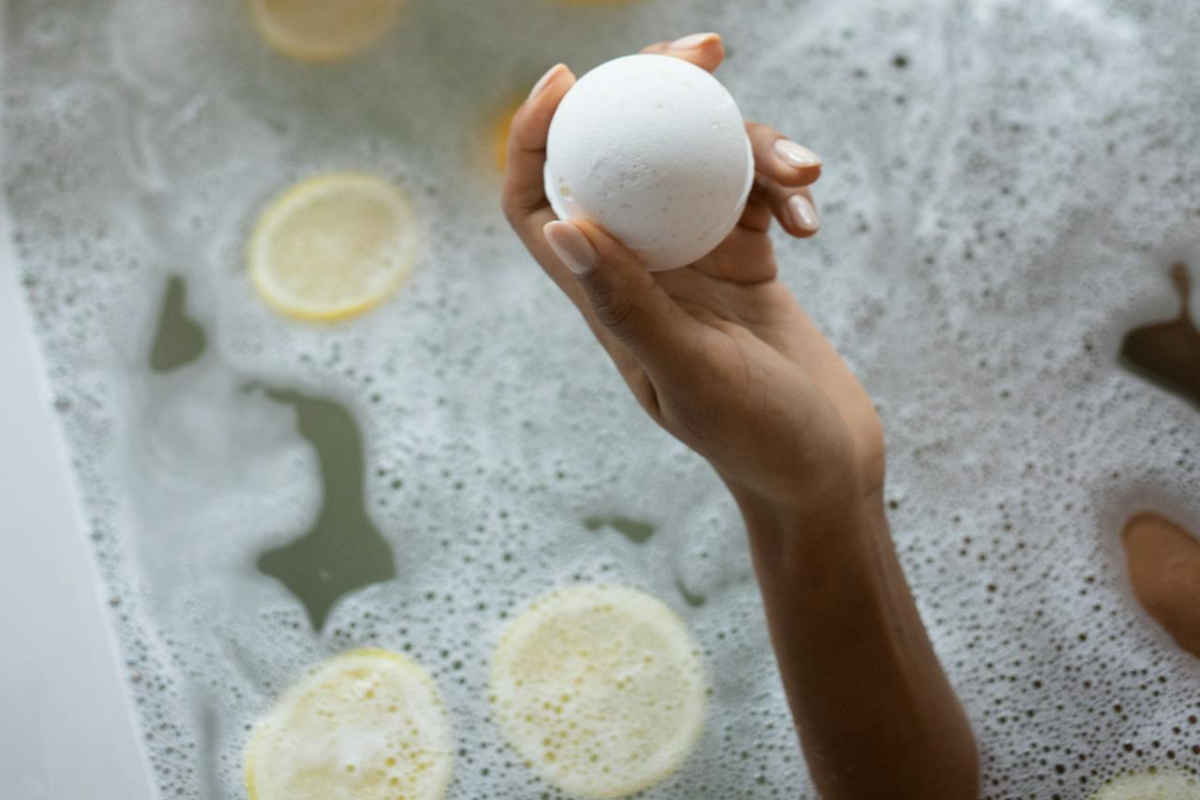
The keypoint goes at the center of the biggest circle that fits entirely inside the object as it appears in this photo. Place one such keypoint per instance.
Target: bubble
(985, 245)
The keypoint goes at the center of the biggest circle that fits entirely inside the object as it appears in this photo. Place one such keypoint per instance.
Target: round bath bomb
(654, 150)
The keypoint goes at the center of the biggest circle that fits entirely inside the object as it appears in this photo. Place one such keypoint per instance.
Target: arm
(721, 356)
(875, 713)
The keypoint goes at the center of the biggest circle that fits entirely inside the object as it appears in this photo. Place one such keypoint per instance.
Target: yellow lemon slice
(367, 724)
(1152, 786)
(500, 128)
(321, 30)
(332, 246)
(600, 689)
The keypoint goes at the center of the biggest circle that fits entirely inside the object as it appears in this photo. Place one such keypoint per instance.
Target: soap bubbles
(995, 207)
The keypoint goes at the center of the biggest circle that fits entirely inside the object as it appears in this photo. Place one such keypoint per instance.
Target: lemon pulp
(367, 724)
(600, 689)
(332, 246)
(318, 30)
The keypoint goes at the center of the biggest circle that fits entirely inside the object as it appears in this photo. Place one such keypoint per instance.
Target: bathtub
(964, 436)
(68, 728)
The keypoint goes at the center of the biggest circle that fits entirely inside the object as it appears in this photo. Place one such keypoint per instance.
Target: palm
(767, 362)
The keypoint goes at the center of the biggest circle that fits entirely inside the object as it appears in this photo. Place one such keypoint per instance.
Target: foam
(997, 207)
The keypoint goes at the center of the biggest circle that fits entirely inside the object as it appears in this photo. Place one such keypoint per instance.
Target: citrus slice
(332, 246)
(1152, 786)
(367, 724)
(501, 126)
(600, 689)
(318, 30)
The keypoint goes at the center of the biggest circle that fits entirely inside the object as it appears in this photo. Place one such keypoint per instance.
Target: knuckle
(612, 308)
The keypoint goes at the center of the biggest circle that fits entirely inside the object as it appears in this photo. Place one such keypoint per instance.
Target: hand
(719, 353)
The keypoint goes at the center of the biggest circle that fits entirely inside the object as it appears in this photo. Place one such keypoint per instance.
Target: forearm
(874, 711)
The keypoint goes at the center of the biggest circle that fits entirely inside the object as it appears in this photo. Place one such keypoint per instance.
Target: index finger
(524, 198)
(524, 193)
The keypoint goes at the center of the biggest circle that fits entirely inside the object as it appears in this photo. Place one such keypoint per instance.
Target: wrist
(845, 509)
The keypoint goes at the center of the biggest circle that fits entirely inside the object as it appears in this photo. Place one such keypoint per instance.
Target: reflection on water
(343, 550)
(1168, 353)
(178, 339)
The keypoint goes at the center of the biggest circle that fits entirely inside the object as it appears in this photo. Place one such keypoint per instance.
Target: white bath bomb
(653, 149)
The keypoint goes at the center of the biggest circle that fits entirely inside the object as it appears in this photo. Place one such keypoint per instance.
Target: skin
(1164, 568)
(721, 356)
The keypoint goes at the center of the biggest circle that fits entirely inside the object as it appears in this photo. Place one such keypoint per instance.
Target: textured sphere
(653, 149)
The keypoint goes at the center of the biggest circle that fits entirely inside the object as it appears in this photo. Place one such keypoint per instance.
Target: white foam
(995, 215)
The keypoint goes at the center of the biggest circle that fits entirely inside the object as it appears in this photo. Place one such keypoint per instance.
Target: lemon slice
(367, 724)
(600, 689)
(1152, 786)
(320, 30)
(501, 127)
(332, 246)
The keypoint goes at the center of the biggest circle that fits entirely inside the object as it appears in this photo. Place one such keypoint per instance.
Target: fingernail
(571, 246)
(804, 215)
(796, 155)
(544, 81)
(691, 41)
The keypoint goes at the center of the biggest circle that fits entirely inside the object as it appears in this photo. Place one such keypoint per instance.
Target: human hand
(722, 356)
(718, 352)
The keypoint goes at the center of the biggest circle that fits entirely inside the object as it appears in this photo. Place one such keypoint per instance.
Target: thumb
(622, 295)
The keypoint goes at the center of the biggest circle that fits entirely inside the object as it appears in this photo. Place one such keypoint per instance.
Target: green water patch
(635, 530)
(692, 599)
(343, 550)
(178, 339)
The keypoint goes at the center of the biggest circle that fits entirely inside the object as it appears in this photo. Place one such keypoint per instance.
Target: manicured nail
(544, 81)
(796, 155)
(692, 41)
(803, 214)
(571, 246)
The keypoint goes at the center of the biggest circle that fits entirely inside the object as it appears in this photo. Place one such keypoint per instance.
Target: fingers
(745, 257)
(780, 159)
(625, 299)
(702, 49)
(524, 199)
(523, 192)
(783, 171)
(793, 207)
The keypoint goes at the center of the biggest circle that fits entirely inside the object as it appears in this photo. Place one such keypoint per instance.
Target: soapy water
(1004, 190)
